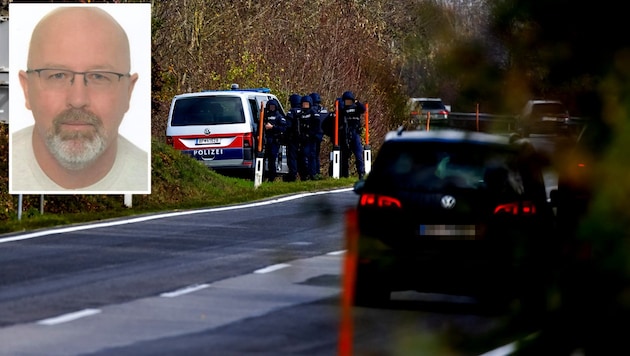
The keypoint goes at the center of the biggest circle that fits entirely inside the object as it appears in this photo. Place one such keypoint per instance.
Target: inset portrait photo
(80, 98)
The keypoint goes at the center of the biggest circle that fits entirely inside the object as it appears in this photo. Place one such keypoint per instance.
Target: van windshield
(208, 110)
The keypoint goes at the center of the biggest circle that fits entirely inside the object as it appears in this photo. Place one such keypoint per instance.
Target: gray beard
(76, 150)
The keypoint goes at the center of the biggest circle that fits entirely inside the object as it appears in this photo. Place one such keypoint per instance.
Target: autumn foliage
(383, 52)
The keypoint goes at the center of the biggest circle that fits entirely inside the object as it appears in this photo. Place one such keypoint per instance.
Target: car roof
(545, 101)
(449, 135)
(240, 93)
(425, 99)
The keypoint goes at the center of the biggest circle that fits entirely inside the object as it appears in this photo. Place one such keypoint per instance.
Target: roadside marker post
(477, 117)
(367, 149)
(346, 327)
(128, 200)
(334, 155)
(260, 160)
(20, 199)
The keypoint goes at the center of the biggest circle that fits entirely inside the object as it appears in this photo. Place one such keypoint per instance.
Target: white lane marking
(336, 253)
(272, 268)
(187, 290)
(162, 216)
(301, 243)
(510, 348)
(502, 351)
(69, 317)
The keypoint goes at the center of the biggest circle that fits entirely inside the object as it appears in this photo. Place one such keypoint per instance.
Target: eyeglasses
(58, 79)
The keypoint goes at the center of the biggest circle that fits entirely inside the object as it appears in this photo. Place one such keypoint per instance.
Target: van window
(253, 104)
(207, 110)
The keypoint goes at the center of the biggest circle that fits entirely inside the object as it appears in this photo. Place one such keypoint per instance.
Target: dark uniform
(275, 125)
(319, 135)
(350, 129)
(291, 136)
(308, 125)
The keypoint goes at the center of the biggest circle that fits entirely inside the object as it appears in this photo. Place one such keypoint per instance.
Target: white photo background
(135, 18)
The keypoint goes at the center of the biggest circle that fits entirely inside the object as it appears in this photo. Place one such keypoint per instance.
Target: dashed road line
(272, 268)
(183, 291)
(69, 317)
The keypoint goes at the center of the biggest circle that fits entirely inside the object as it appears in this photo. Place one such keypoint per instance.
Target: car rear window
(432, 166)
(549, 109)
(432, 105)
(207, 110)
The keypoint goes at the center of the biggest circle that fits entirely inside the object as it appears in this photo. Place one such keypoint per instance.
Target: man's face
(348, 102)
(77, 121)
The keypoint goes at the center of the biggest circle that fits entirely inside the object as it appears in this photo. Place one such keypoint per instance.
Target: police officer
(350, 129)
(308, 125)
(275, 125)
(291, 137)
(319, 131)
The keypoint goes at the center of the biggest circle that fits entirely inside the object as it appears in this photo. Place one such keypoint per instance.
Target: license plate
(449, 232)
(551, 118)
(208, 141)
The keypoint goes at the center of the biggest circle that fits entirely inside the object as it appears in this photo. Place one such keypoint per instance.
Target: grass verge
(178, 182)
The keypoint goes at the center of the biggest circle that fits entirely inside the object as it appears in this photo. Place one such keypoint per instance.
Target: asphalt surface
(263, 278)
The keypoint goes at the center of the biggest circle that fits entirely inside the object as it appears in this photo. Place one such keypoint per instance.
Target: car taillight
(444, 112)
(169, 140)
(380, 201)
(516, 208)
(247, 140)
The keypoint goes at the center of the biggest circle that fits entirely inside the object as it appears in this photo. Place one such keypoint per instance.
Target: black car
(454, 212)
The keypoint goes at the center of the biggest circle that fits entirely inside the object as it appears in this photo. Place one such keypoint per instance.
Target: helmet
(348, 96)
(307, 99)
(316, 98)
(294, 99)
(273, 102)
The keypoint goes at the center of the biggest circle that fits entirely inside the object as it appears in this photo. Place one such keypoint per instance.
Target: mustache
(76, 116)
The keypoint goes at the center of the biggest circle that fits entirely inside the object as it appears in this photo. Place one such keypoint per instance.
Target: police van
(218, 127)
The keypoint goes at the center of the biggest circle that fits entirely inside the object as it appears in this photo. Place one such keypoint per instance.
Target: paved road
(79, 289)
(263, 278)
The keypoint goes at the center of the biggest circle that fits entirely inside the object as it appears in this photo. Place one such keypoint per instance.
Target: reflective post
(128, 200)
(367, 149)
(19, 216)
(477, 116)
(258, 174)
(334, 155)
(346, 327)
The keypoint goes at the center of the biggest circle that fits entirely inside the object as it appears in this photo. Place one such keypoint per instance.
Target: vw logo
(206, 131)
(448, 201)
